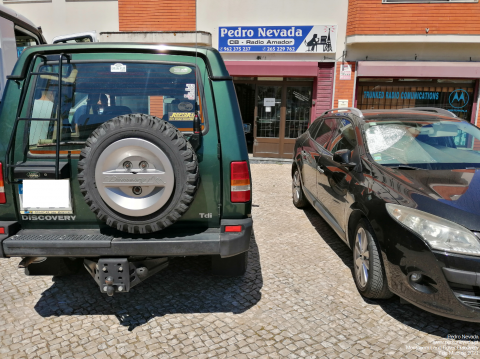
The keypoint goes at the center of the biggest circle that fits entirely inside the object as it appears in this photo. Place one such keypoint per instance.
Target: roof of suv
(215, 66)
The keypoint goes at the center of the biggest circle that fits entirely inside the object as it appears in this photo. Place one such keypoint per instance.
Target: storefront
(396, 85)
(279, 99)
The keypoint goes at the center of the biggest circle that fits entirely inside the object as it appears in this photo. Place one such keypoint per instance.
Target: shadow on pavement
(185, 286)
(407, 314)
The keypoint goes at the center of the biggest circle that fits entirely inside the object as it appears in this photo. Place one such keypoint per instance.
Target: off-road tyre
(298, 195)
(376, 286)
(163, 135)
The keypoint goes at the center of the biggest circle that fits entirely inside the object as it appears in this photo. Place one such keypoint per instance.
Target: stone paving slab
(297, 300)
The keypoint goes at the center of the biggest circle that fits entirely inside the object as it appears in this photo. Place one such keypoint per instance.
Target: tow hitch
(120, 275)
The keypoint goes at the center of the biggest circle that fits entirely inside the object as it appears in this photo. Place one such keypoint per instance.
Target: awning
(272, 68)
(416, 69)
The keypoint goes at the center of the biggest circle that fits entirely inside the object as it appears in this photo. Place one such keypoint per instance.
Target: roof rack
(440, 111)
(354, 110)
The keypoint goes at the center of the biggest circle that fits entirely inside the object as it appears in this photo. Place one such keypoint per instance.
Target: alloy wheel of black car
(299, 199)
(369, 273)
(138, 173)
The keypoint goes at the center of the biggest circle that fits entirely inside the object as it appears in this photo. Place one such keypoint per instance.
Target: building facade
(282, 56)
(61, 17)
(292, 60)
(413, 54)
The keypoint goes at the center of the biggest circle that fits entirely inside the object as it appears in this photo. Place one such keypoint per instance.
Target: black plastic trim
(11, 228)
(61, 243)
(462, 277)
(233, 243)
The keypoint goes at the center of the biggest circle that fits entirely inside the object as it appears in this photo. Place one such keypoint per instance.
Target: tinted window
(344, 137)
(314, 127)
(326, 131)
(93, 93)
(425, 144)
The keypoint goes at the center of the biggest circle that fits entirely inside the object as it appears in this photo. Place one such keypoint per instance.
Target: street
(297, 300)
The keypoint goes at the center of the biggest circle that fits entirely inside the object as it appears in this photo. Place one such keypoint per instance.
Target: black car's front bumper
(93, 243)
(449, 281)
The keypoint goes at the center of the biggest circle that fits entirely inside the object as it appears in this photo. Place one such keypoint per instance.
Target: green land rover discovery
(118, 156)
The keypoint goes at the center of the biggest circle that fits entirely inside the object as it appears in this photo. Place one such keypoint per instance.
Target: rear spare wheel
(138, 173)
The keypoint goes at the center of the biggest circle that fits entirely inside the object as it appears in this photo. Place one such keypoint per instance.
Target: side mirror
(344, 158)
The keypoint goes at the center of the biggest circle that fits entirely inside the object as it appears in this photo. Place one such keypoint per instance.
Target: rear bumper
(93, 243)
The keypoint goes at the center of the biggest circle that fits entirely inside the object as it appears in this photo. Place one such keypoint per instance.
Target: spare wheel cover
(115, 182)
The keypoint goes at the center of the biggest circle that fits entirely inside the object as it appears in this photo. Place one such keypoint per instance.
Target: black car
(402, 189)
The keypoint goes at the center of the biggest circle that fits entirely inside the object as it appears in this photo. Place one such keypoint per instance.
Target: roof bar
(440, 111)
(354, 110)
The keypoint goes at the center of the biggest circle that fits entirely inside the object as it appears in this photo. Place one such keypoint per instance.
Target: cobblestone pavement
(298, 299)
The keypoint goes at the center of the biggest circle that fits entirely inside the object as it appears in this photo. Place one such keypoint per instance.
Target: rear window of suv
(93, 93)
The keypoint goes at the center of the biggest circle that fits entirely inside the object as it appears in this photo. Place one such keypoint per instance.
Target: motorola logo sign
(459, 98)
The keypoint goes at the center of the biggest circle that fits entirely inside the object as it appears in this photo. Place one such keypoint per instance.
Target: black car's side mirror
(344, 158)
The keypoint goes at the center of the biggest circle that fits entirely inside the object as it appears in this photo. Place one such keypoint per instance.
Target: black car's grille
(470, 300)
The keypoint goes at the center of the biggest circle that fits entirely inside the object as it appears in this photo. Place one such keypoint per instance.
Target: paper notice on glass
(268, 109)
(46, 193)
(269, 102)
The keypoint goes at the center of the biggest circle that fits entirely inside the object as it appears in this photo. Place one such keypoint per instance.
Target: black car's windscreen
(424, 144)
(93, 93)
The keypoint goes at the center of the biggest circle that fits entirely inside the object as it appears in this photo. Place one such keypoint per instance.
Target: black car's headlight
(439, 233)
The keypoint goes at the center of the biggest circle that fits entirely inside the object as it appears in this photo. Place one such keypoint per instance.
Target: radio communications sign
(305, 39)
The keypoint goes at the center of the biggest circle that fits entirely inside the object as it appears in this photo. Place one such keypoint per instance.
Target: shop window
(456, 96)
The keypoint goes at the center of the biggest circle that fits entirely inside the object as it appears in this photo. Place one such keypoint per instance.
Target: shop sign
(400, 94)
(345, 72)
(304, 39)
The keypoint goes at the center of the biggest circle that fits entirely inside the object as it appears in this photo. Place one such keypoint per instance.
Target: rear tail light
(240, 182)
(227, 229)
(2, 188)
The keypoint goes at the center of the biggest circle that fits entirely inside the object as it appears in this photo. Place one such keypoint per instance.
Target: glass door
(269, 120)
(297, 116)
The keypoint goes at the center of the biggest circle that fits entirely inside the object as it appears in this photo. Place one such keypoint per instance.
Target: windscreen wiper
(405, 167)
(65, 143)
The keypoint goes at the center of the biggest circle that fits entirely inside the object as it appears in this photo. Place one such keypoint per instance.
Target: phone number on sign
(265, 48)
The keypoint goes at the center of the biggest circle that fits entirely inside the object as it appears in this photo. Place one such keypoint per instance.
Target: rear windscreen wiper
(66, 143)
(405, 167)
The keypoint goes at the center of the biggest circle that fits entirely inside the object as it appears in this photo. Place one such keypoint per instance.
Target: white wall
(214, 13)
(60, 17)
(407, 52)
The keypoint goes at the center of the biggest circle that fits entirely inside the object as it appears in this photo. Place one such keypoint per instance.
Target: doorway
(278, 111)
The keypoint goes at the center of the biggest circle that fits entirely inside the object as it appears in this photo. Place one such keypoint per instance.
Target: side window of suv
(326, 132)
(344, 137)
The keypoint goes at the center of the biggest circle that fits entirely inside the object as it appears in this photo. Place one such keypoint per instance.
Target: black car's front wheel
(299, 199)
(368, 270)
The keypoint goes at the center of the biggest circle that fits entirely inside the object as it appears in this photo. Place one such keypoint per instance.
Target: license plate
(45, 197)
